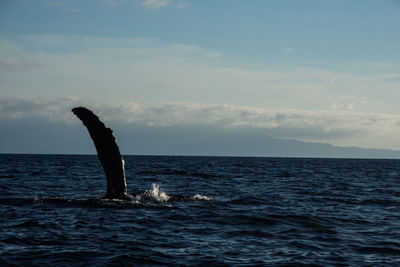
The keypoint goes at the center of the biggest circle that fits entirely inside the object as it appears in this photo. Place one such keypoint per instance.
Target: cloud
(17, 108)
(289, 50)
(150, 4)
(327, 126)
(149, 82)
(394, 78)
(158, 4)
(348, 102)
(113, 3)
(155, 3)
(147, 69)
(12, 64)
(61, 5)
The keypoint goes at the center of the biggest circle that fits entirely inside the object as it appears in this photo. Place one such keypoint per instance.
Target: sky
(312, 70)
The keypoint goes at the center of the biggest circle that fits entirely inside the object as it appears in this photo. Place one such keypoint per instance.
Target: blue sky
(253, 30)
(320, 71)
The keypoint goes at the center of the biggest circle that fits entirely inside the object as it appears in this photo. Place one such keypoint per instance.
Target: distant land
(246, 144)
(41, 137)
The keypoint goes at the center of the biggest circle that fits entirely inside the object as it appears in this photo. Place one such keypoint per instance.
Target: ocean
(240, 211)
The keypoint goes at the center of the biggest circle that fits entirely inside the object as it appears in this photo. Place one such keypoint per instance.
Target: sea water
(239, 212)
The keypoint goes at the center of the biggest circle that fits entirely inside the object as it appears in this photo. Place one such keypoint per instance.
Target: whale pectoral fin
(107, 151)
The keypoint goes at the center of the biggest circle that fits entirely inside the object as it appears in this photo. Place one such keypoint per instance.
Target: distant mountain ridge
(41, 137)
(223, 143)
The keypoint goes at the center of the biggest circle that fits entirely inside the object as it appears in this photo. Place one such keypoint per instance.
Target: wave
(175, 172)
(201, 197)
(155, 194)
(149, 197)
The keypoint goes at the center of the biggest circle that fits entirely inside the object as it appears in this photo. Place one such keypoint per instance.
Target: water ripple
(200, 211)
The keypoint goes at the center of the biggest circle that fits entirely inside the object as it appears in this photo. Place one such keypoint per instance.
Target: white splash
(201, 197)
(155, 194)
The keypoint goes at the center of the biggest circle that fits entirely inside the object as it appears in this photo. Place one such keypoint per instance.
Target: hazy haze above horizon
(310, 70)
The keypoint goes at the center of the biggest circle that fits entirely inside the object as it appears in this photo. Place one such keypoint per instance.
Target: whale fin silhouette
(107, 151)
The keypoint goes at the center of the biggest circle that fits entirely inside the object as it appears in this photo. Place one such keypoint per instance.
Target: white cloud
(53, 109)
(11, 64)
(113, 3)
(156, 3)
(147, 69)
(349, 102)
(337, 127)
(296, 101)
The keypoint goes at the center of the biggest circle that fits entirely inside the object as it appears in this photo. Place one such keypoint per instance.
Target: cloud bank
(149, 70)
(336, 127)
(144, 82)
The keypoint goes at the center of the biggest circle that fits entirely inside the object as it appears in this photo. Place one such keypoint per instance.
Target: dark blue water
(242, 211)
